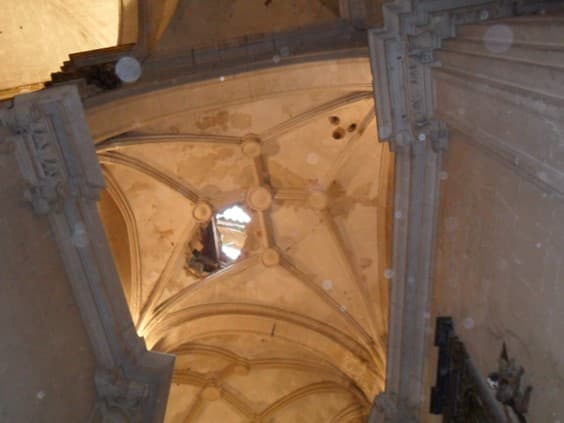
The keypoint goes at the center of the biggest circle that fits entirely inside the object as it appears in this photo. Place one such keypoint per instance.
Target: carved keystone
(259, 198)
(241, 369)
(211, 393)
(317, 200)
(251, 146)
(202, 212)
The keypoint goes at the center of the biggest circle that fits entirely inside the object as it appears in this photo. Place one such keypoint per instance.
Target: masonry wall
(499, 265)
(46, 361)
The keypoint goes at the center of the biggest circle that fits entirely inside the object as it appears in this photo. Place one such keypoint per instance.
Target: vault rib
(265, 224)
(260, 172)
(329, 300)
(351, 270)
(190, 314)
(116, 192)
(349, 412)
(237, 400)
(333, 362)
(303, 118)
(195, 408)
(172, 265)
(290, 194)
(231, 396)
(314, 388)
(151, 171)
(164, 308)
(124, 141)
(190, 377)
(317, 367)
(203, 349)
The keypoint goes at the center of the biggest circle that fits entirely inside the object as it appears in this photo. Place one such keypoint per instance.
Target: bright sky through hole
(236, 214)
(232, 252)
(233, 214)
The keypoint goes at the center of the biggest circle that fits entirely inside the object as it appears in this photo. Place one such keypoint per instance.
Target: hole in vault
(219, 243)
(231, 225)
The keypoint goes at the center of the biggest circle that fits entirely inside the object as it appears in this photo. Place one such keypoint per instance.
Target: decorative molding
(57, 159)
(277, 47)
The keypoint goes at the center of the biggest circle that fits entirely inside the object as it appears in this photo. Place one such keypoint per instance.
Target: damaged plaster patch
(224, 120)
(342, 204)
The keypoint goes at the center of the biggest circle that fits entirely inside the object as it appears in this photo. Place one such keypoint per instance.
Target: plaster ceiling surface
(295, 329)
(237, 18)
(36, 37)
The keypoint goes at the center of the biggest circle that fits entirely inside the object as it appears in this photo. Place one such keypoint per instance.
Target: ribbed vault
(295, 329)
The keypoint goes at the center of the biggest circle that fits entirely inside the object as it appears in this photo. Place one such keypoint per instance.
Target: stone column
(402, 55)
(500, 90)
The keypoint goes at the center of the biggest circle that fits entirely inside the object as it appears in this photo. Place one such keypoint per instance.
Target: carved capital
(48, 129)
(119, 399)
(402, 56)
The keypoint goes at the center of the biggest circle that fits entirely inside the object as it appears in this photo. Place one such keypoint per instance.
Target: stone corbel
(119, 398)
